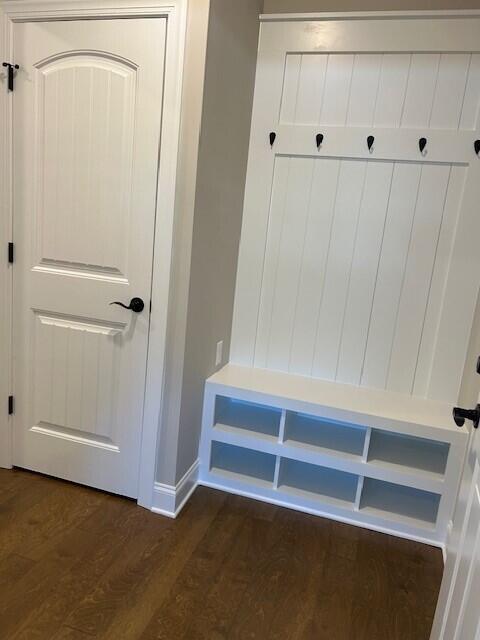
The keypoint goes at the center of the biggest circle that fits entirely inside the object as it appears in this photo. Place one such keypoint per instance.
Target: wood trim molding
(368, 15)
(176, 13)
(169, 500)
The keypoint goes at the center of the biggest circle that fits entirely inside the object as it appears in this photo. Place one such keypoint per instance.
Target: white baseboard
(169, 500)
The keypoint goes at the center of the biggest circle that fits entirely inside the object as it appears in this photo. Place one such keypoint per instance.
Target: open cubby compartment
(327, 436)
(408, 452)
(247, 418)
(242, 464)
(414, 506)
(318, 483)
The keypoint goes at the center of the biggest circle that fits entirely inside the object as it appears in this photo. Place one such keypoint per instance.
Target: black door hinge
(11, 252)
(10, 406)
(11, 68)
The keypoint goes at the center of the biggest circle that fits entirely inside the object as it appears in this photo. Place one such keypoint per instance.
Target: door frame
(175, 12)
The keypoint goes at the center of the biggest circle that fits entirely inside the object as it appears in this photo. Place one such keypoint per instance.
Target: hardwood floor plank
(66, 633)
(173, 619)
(12, 568)
(118, 516)
(34, 529)
(78, 564)
(35, 586)
(126, 598)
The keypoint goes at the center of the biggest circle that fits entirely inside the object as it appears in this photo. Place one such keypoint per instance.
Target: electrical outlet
(219, 353)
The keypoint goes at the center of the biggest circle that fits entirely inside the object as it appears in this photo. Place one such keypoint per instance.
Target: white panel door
(87, 116)
(354, 261)
(458, 614)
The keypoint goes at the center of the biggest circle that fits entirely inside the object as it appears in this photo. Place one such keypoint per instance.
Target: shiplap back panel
(387, 90)
(352, 281)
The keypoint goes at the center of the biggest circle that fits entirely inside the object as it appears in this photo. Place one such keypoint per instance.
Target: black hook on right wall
(476, 146)
(422, 143)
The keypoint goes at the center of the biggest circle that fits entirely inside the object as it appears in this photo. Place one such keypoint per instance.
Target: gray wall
(191, 118)
(222, 163)
(306, 6)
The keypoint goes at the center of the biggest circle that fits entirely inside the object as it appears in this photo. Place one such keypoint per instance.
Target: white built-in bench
(382, 460)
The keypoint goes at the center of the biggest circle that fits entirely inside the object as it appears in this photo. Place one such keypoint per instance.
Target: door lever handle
(136, 305)
(460, 415)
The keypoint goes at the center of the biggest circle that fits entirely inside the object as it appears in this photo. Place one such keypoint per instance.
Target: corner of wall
(192, 102)
(227, 106)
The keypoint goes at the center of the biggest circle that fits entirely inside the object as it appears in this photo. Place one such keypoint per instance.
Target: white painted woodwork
(354, 264)
(379, 459)
(88, 108)
(457, 616)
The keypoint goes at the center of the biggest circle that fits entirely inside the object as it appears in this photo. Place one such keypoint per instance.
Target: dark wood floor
(77, 564)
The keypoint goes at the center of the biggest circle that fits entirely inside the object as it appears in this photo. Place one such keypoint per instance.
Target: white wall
(192, 100)
(229, 82)
(206, 260)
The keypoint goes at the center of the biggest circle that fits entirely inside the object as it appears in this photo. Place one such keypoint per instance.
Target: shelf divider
(358, 495)
(283, 420)
(366, 445)
(276, 475)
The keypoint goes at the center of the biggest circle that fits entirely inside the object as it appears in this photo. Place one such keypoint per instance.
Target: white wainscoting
(352, 260)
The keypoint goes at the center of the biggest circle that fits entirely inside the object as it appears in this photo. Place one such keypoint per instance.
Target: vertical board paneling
(257, 209)
(75, 379)
(289, 261)
(391, 90)
(363, 90)
(393, 259)
(107, 382)
(315, 255)
(357, 252)
(59, 382)
(337, 90)
(293, 63)
(422, 81)
(90, 379)
(417, 276)
(310, 89)
(275, 223)
(50, 185)
(437, 291)
(471, 100)
(450, 91)
(349, 196)
(42, 379)
(364, 272)
(87, 151)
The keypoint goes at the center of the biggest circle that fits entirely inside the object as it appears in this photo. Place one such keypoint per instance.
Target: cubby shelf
(243, 464)
(398, 451)
(324, 436)
(244, 418)
(318, 483)
(331, 449)
(388, 500)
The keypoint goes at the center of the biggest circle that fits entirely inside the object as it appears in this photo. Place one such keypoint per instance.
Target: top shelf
(386, 410)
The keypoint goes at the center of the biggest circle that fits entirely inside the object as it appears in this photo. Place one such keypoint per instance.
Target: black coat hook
(370, 141)
(319, 139)
(11, 67)
(422, 143)
(476, 146)
(272, 137)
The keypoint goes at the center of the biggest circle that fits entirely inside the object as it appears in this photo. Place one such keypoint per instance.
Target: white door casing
(174, 13)
(354, 263)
